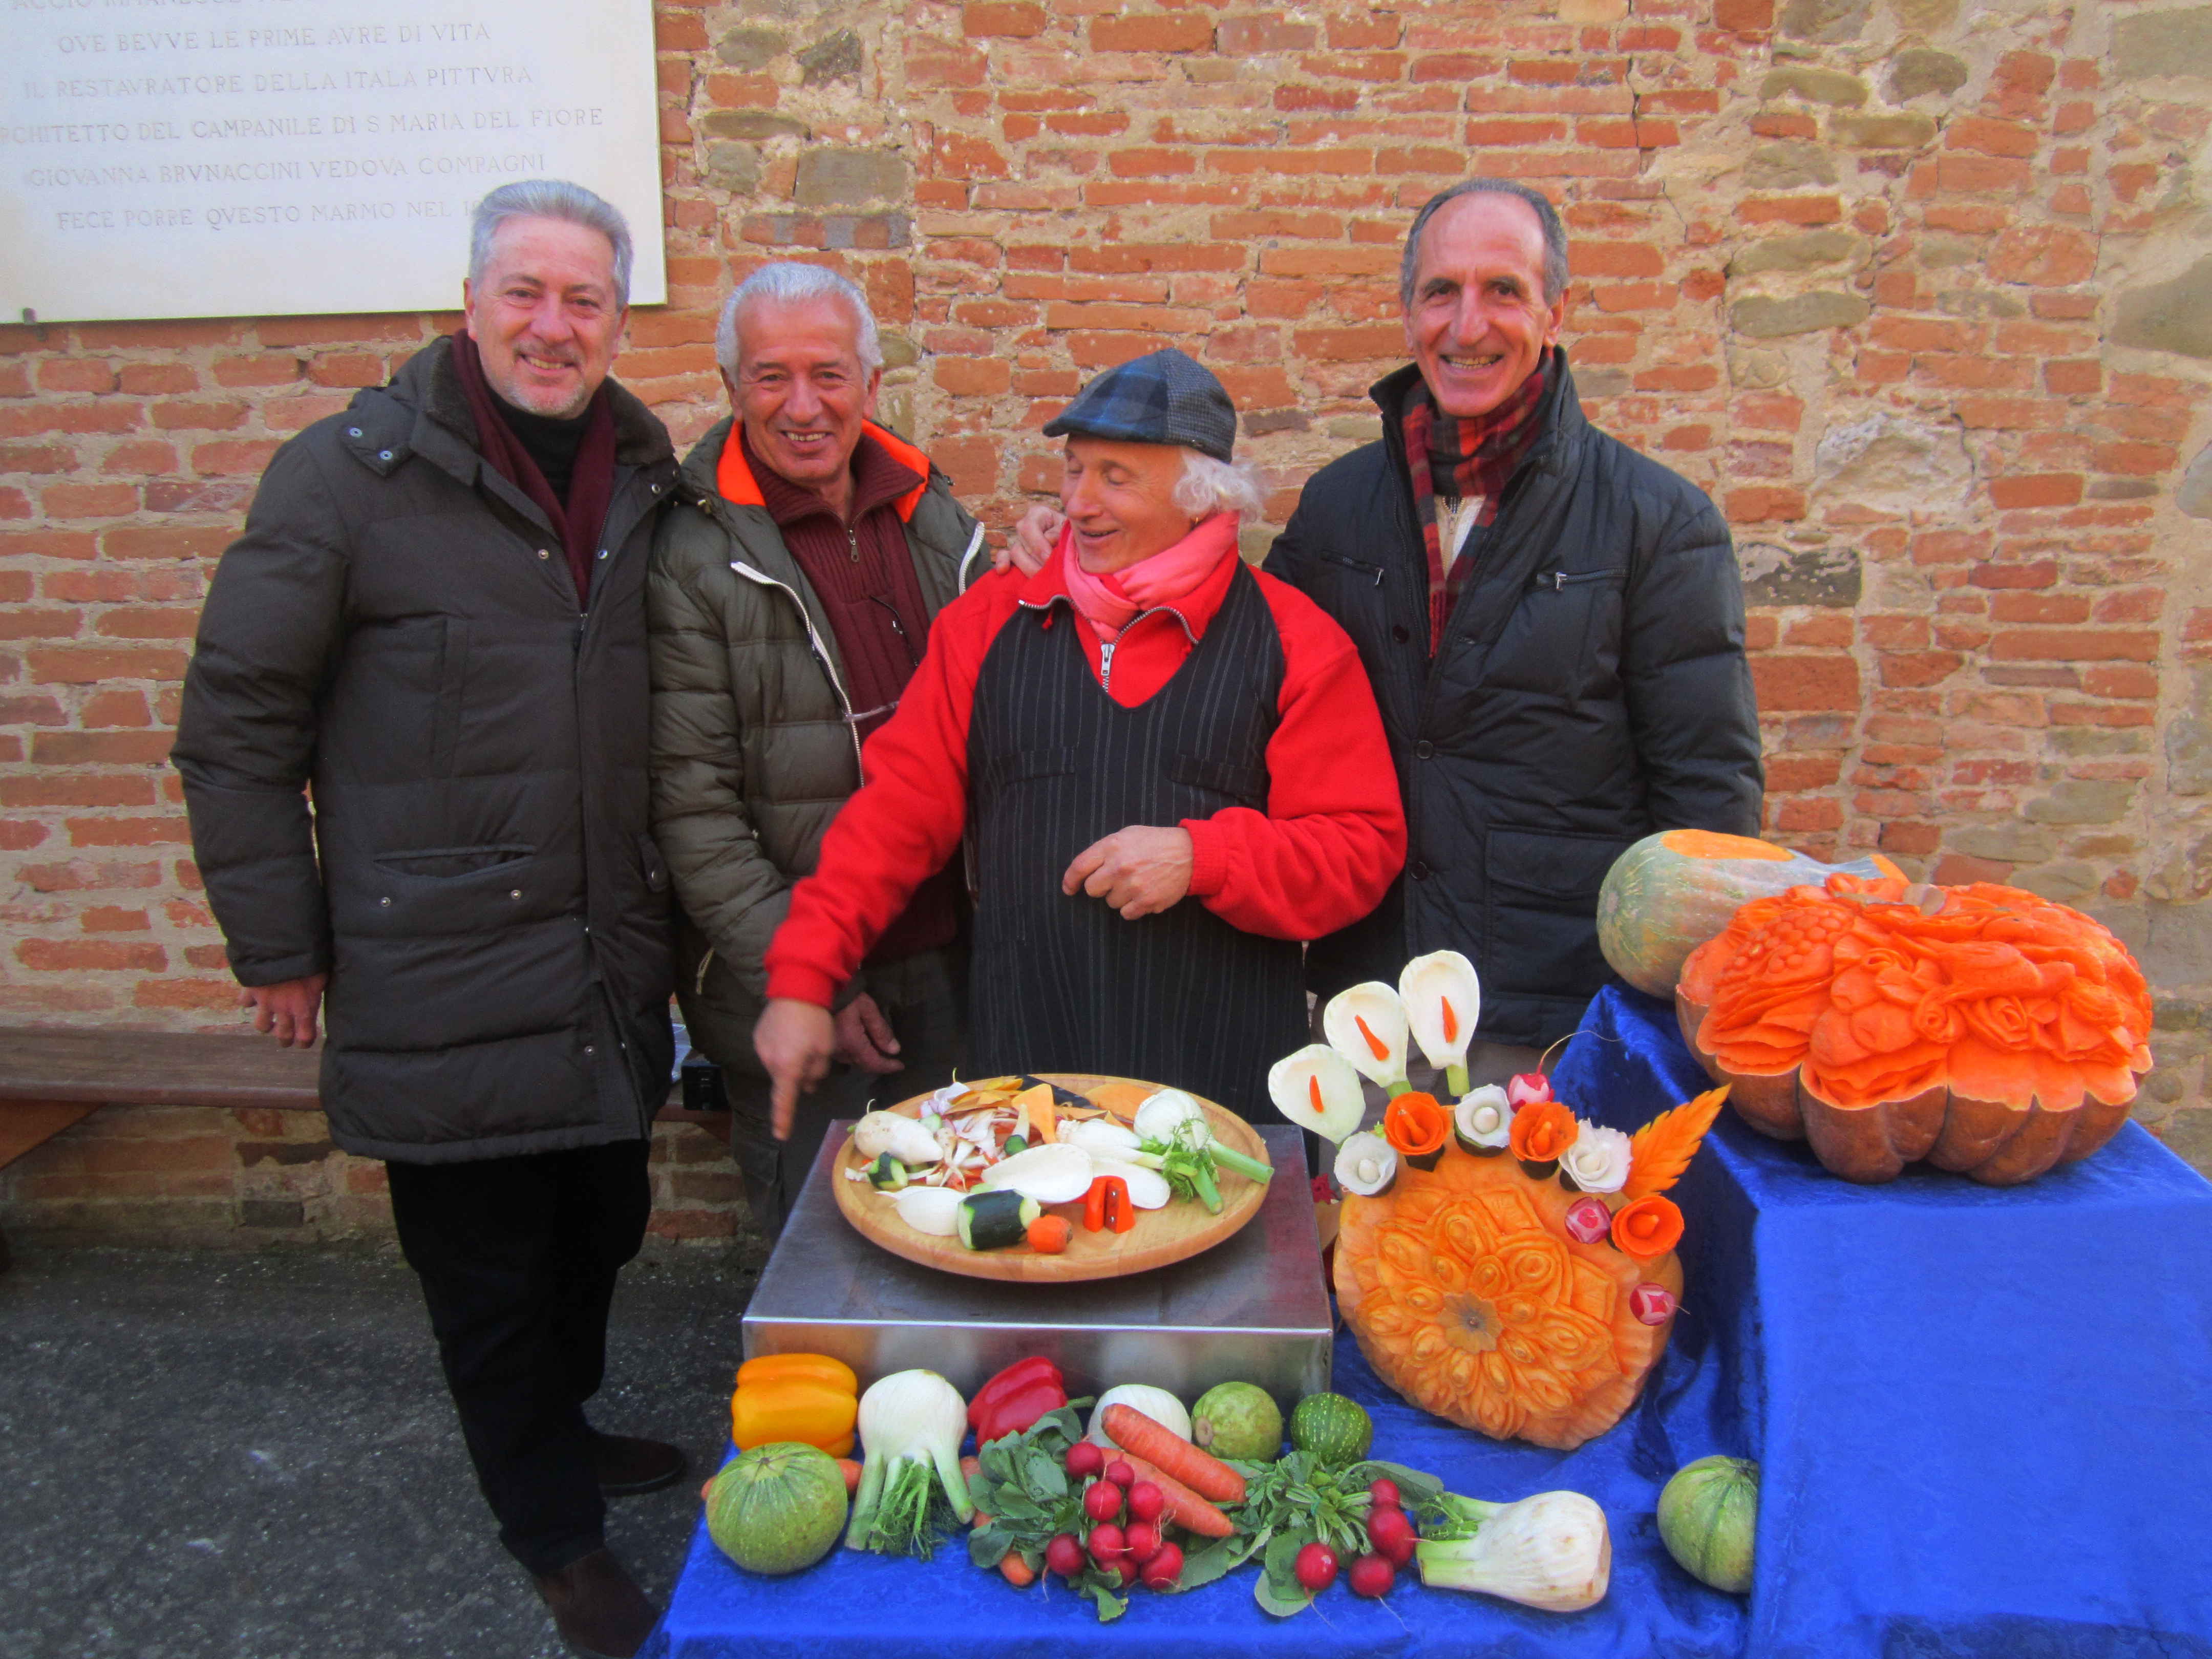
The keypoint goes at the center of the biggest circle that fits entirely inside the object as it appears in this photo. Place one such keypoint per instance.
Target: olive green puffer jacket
(752, 754)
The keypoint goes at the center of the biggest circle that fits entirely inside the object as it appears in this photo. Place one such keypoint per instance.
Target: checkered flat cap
(1166, 397)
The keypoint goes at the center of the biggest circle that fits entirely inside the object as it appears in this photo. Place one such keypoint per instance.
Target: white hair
(788, 282)
(1211, 486)
(549, 198)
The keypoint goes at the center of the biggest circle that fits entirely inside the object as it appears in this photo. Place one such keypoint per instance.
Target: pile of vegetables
(1129, 1502)
(991, 1163)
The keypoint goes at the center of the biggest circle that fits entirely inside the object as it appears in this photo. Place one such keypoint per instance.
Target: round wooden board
(1181, 1230)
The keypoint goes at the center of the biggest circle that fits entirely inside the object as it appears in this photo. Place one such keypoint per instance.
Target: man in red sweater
(1172, 767)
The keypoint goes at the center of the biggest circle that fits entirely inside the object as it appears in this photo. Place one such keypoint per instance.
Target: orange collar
(734, 479)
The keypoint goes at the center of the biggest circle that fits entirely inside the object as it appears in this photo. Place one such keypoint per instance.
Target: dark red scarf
(577, 520)
(1465, 458)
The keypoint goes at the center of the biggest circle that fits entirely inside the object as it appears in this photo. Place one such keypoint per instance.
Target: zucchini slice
(993, 1220)
(887, 1174)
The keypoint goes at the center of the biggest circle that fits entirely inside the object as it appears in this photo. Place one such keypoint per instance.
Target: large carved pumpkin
(1671, 892)
(1982, 1028)
(1469, 1298)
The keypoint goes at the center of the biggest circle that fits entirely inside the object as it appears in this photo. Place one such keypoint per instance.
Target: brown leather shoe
(625, 1465)
(598, 1605)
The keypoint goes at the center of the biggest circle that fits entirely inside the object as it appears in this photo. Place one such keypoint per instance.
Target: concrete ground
(210, 1456)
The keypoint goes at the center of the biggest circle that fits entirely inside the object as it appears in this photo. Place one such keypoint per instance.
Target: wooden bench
(52, 1079)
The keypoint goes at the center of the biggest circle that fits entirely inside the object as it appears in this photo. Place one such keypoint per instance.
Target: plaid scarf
(1465, 458)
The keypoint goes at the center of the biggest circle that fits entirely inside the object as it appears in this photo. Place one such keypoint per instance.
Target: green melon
(1708, 1514)
(1671, 892)
(1333, 1430)
(777, 1508)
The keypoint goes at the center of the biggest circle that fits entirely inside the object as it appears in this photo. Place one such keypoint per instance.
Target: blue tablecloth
(1984, 1421)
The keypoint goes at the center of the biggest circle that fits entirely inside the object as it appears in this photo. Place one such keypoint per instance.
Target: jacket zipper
(1107, 647)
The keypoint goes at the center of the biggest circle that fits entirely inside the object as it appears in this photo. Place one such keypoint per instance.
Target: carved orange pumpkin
(1469, 1297)
(1982, 1028)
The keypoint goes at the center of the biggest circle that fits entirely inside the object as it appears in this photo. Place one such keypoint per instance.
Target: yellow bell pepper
(818, 1367)
(793, 1408)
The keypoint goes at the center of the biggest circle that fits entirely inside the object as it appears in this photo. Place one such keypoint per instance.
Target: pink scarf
(1110, 603)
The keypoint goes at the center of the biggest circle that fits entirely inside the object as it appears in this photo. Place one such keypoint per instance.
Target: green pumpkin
(1708, 1514)
(1334, 1430)
(777, 1508)
(1671, 892)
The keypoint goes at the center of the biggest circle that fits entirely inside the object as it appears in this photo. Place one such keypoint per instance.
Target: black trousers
(518, 1258)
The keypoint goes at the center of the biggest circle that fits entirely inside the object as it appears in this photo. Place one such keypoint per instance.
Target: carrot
(1203, 1472)
(851, 1470)
(1047, 1235)
(1184, 1507)
(1016, 1572)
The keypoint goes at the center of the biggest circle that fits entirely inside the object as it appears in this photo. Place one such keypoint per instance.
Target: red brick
(1789, 682)
(1979, 132)
(1017, 20)
(1789, 211)
(69, 956)
(2036, 490)
(2072, 645)
(1152, 32)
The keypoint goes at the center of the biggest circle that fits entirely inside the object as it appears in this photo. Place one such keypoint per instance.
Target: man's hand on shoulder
(288, 1009)
(795, 1040)
(1032, 542)
(864, 1038)
(1139, 870)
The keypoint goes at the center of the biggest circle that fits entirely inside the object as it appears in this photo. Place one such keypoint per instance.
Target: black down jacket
(396, 630)
(1591, 688)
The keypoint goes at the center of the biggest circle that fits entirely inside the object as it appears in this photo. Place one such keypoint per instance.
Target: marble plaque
(244, 158)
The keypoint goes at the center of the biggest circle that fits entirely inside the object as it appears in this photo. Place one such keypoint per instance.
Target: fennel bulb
(911, 1424)
(1551, 1550)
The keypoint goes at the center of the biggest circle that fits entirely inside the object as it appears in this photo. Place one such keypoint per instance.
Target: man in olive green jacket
(791, 590)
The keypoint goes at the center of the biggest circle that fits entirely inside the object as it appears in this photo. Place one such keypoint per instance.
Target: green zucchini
(887, 1174)
(1015, 1144)
(993, 1220)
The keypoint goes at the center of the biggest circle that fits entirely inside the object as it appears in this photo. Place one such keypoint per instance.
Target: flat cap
(1166, 397)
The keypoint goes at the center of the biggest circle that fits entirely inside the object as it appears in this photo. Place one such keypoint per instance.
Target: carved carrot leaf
(1663, 1148)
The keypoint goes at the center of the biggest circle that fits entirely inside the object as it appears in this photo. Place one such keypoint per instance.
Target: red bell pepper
(1012, 1414)
(1018, 1376)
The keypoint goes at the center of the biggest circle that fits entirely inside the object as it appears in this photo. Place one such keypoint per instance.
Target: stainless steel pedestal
(1253, 1309)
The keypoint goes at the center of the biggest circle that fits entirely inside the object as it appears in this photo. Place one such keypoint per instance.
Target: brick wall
(1921, 297)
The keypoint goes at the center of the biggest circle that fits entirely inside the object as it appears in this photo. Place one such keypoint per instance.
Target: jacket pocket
(1562, 638)
(1541, 910)
(1358, 572)
(1004, 770)
(453, 863)
(655, 867)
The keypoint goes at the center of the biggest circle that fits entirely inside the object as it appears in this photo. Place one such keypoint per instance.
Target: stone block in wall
(832, 177)
(1893, 465)
(2171, 316)
(1921, 70)
(1765, 319)
(2154, 45)
(2194, 496)
(1775, 575)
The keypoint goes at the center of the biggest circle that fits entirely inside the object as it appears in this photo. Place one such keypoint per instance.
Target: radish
(1064, 1555)
(1120, 1474)
(1146, 1501)
(1101, 1500)
(1371, 1575)
(1107, 1545)
(1392, 1534)
(1315, 1567)
(1143, 1540)
(1165, 1570)
(1084, 1458)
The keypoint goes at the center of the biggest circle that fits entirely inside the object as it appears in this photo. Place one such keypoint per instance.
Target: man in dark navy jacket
(1553, 623)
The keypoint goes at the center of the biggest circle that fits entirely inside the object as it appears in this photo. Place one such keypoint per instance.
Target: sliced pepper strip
(1094, 1204)
(1121, 1214)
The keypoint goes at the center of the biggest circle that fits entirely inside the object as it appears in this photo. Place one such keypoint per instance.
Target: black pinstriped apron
(1054, 764)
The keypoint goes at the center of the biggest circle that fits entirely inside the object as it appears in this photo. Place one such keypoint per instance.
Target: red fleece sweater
(1318, 858)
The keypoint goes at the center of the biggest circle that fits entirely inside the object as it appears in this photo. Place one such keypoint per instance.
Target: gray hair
(549, 198)
(1555, 234)
(1209, 486)
(788, 282)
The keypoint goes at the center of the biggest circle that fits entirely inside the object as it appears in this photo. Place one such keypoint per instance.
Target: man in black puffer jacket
(1553, 623)
(434, 625)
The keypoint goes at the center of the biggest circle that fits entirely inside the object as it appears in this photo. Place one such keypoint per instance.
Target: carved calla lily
(1317, 1088)
(1366, 1023)
(1442, 999)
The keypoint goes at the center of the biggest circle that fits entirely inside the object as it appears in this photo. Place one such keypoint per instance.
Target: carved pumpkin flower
(1646, 1228)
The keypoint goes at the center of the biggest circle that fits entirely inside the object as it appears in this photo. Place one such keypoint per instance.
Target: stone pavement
(214, 1456)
